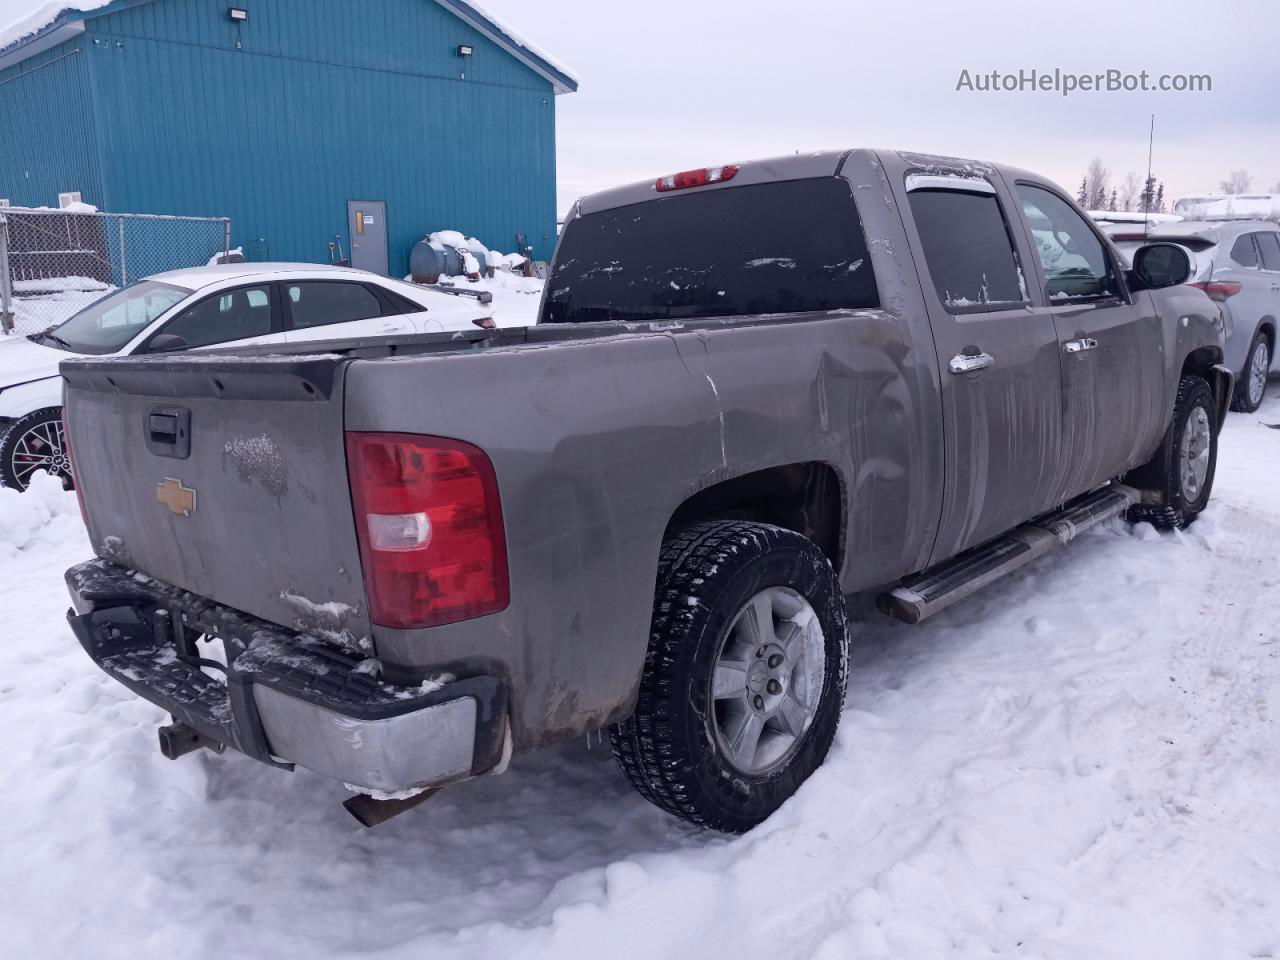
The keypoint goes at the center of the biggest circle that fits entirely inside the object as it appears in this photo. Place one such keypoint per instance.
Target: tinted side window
(967, 246)
(316, 303)
(1075, 261)
(231, 315)
(393, 304)
(786, 247)
(1269, 244)
(1244, 252)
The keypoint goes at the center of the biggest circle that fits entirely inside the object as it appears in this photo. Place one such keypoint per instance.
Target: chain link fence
(55, 262)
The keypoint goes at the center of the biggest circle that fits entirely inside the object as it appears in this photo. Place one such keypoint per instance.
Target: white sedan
(201, 308)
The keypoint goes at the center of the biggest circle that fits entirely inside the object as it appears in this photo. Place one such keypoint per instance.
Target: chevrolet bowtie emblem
(179, 499)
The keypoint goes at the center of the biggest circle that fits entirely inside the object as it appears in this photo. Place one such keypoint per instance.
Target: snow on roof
(512, 38)
(1249, 206)
(40, 15)
(1132, 216)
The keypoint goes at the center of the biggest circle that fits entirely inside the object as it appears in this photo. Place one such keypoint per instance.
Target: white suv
(1238, 265)
(205, 307)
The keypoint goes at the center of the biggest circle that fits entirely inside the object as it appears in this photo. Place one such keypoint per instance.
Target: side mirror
(1159, 265)
(166, 343)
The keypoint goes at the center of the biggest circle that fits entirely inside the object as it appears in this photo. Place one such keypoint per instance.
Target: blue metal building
(278, 113)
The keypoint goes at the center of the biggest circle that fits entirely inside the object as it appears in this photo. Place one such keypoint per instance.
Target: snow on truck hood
(25, 360)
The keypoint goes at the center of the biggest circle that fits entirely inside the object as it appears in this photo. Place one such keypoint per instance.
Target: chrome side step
(921, 596)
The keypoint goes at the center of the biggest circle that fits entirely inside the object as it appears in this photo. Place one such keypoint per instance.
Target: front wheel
(744, 678)
(1181, 472)
(34, 443)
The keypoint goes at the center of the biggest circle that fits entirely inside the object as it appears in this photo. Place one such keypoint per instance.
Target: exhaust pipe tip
(371, 811)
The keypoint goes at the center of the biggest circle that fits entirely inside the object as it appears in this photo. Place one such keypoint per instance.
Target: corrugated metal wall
(47, 142)
(325, 101)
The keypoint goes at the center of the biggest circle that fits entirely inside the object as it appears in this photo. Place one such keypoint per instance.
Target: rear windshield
(787, 247)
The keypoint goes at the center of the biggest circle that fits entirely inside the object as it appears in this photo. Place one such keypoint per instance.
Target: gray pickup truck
(753, 391)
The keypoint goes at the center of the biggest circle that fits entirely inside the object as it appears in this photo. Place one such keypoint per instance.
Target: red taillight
(75, 476)
(696, 178)
(1218, 289)
(430, 529)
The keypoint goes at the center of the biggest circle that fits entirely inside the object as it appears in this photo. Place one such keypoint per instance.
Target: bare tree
(1097, 184)
(1238, 181)
(1129, 191)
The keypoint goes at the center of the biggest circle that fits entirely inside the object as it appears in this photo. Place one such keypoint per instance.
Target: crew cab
(754, 390)
(196, 309)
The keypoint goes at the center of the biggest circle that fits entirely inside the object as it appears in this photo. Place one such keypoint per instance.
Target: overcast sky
(672, 84)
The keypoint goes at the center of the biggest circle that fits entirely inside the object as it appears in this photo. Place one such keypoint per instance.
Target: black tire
(1242, 401)
(1162, 475)
(669, 747)
(37, 434)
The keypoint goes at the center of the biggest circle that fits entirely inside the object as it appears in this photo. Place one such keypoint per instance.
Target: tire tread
(656, 762)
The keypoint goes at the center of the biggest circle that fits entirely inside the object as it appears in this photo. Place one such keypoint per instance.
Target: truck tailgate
(227, 477)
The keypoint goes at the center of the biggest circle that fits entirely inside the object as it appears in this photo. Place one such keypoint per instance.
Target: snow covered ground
(1081, 762)
(41, 304)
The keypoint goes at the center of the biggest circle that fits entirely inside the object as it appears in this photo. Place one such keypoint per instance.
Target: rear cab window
(793, 246)
(968, 248)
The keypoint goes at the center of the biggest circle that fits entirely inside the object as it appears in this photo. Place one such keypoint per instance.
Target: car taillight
(696, 178)
(430, 528)
(1218, 289)
(71, 462)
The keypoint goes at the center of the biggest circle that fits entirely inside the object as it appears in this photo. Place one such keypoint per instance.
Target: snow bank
(67, 284)
(45, 513)
(1264, 206)
(42, 310)
(41, 15)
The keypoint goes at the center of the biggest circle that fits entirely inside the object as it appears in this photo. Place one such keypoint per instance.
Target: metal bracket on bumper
(287, 698)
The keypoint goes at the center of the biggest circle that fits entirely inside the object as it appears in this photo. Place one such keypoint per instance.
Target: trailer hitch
(178, 739)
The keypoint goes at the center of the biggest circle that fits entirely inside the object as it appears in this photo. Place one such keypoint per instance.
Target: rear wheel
(744, 678)
(1252, 385)
(1181, 472)
(34, 443)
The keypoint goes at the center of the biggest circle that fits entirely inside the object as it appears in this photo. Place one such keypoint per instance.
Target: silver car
(1237, 263)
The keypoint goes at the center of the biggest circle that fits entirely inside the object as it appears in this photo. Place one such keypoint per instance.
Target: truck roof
(822, 163)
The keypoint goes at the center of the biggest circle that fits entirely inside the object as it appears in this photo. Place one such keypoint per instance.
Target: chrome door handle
(969, 362)
(1077, 346)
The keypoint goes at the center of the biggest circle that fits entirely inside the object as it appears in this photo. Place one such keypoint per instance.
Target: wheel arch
(1206, 362)
(1267, 327)
(805, 497)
